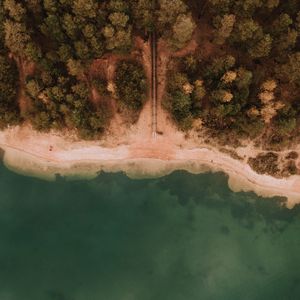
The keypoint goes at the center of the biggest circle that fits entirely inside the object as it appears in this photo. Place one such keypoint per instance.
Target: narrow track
(154, 84)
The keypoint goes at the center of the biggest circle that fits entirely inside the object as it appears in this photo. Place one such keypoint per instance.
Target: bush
(265, 163)
(131, 84)
(181, 105)
(286, 120)
(9, 110)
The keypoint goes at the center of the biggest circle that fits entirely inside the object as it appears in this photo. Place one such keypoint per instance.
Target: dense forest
(243, 79)
(54, 44)
(9, 111)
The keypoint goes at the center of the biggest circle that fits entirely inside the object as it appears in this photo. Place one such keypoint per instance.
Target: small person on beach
(50, 148)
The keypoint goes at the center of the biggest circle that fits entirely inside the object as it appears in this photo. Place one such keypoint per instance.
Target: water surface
(181, 237)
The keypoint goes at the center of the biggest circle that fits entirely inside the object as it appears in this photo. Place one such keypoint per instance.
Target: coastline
(153, 158)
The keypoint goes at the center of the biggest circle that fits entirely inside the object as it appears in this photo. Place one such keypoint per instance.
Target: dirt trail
(140, 134)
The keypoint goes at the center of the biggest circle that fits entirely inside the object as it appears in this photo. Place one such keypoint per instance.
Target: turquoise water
(181, 237)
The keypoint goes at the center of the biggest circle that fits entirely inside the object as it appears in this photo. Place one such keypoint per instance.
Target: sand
(44, 155)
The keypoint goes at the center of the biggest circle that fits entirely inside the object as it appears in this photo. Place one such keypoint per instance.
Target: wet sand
(46, 155)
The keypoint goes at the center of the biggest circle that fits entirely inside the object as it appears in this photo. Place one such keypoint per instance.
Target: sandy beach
(45, 155)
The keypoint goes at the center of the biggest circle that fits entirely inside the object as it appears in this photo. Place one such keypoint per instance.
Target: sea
(179, 237)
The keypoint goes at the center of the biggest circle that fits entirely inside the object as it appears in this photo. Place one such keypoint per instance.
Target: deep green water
(181, 237)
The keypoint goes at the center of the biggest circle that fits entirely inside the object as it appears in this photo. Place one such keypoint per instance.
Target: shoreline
(138, 160)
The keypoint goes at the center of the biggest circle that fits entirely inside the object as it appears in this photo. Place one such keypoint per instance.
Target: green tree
(221, 6)
(118, 19)
(286, 119)
(290, 71)
(174, 23)
(50, 6)
(219, 66)
(75, 67)
(33, 88)
(181, 107)
(15, 10)
(82, 50)
(246, 29)
(262, 47)
(9, 111)
(33, 52)
(118, 6)
(143, 14)
(131, 84)
(244, 78)
(177, 81)
(65, 52)
(281, 24)
(182, 30)
(199, 91)
(286, 41)
(16, 37)
(120, 40)
(224, 28)
(271, 4)
(168, 12)
(70, 26)
(85, 8)
(52, 28)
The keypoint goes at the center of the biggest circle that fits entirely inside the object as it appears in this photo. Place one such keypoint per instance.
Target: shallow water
(181, 237)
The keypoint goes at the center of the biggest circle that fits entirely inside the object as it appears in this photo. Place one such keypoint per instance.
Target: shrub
(131, 84)
(265, 163)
